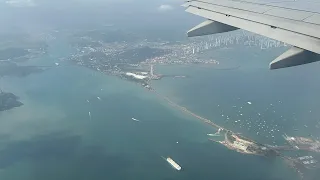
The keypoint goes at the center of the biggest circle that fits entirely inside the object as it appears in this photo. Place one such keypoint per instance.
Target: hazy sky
(38, 15)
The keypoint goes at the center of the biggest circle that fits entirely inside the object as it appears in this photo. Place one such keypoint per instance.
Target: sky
(162, 4)
(41, 15)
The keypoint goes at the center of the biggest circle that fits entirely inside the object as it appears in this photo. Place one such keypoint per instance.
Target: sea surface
(64, 131)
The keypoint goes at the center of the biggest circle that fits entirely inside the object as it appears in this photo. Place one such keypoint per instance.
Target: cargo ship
(173, 164)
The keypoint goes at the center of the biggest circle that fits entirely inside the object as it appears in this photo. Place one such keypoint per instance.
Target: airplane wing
(295, 22)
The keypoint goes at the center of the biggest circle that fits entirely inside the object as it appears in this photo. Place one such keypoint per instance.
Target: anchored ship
(173, 164)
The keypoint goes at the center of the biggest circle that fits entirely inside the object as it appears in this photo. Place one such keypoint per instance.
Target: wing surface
(292, 21)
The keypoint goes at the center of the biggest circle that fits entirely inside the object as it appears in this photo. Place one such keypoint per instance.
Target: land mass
(20, 47)
(131, 56)
(8, 101)
(12, 69)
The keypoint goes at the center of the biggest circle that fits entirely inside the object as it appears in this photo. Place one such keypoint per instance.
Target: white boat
(134, 119)
(173, 164)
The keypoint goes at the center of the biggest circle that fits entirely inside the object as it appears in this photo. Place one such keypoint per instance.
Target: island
(8, 101)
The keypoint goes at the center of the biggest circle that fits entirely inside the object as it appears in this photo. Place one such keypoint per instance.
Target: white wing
(291, 21)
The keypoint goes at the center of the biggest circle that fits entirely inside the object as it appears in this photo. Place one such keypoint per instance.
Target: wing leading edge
(300, 28)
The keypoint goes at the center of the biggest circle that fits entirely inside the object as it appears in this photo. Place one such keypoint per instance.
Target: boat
(173, 164)
(134, 119)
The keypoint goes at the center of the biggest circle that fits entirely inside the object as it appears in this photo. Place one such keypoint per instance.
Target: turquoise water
(53, 137)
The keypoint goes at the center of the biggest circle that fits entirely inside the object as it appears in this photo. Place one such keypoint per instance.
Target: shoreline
(214, 125)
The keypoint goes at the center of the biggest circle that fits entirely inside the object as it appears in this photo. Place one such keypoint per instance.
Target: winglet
(294, 57)
(209, 27)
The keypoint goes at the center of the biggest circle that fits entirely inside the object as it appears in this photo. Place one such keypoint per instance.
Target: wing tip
(295, 56)
(210, 27)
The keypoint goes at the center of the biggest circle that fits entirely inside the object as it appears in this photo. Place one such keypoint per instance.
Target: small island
(8, 101)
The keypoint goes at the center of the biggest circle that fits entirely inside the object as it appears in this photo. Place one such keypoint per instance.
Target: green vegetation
(118, 60)
(96, 56)
(137, 55)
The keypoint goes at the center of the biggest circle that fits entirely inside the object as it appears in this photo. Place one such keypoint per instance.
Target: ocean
(64, 131)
